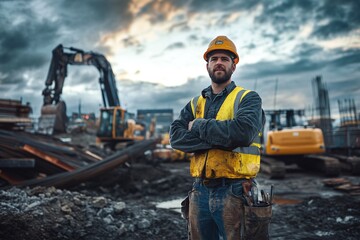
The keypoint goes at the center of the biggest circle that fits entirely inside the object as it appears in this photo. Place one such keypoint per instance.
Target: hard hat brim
(235, 59)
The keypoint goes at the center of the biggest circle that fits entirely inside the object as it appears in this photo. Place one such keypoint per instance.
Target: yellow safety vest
(242, 162)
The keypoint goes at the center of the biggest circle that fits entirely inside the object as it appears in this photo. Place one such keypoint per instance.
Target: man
(222, 127)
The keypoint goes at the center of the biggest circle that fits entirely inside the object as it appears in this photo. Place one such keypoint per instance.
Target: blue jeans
(216, 212)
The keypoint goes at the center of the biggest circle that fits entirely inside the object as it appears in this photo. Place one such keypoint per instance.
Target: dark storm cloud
(286, 16)
(173, 46)
(274, 37)
(343, 17)
(170, 97)
(223, 5)
(265, 69)
(27, 38)
(334, 28)
(307, 50)
(20, 43)
(179, 26)
(98, 16)
(133, 42)
(304, 58)
(333, 18)
(193, 37)
(86, 75)
(346, 85)
(158, 11)
(177, 45)
(348, 58)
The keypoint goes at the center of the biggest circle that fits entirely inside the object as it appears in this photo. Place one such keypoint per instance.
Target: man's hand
(190, 125)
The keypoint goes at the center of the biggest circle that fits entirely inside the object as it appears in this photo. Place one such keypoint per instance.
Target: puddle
(174, 205)
(286, 201)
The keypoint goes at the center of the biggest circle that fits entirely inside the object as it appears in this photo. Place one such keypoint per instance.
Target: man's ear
(233, 67)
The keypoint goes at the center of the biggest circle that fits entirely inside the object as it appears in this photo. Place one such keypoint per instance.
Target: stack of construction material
(25, 155)
(28, 159)
(14, 114)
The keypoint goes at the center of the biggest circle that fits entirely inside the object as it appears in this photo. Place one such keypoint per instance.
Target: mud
(122, 205)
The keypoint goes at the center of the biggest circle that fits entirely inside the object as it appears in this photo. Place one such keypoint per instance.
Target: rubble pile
(336, 217)
(50, 213)
(122, 204)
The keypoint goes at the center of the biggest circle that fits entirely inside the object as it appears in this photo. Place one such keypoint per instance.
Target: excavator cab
(113, 123)
(116, 126)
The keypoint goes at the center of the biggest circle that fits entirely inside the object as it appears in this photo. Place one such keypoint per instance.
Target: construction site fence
(346, 138)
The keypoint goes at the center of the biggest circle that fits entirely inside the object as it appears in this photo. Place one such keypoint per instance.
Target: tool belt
(257, 212)
(217, 182)
(185, 208)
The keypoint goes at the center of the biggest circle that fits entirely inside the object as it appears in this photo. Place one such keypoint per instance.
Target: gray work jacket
(210, 133)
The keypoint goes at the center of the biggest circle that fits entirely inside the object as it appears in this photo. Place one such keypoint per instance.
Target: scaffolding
(322, 114)
(344, 139)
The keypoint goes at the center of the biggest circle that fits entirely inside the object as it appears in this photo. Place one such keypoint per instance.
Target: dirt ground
(124, 204)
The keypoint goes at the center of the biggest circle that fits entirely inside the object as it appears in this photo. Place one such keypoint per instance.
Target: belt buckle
(211, 182)
(206, 182)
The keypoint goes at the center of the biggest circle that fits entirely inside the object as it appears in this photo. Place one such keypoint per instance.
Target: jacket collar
(208, 91)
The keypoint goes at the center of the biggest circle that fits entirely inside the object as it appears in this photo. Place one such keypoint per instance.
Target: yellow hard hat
(222, 43)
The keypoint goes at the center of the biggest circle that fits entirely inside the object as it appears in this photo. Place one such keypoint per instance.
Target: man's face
(220, 67)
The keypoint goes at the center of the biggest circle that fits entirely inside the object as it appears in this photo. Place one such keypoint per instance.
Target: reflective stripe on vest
(242, 162)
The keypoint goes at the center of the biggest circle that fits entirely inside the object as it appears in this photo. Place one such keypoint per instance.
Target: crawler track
(274, 167)
(327, 165)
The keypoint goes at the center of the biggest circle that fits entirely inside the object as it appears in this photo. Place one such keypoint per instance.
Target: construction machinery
(289, 140)
(115, 124)
(164, 152)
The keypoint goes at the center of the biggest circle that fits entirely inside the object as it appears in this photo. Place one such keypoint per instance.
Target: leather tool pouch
(185, 208)
(257, 221)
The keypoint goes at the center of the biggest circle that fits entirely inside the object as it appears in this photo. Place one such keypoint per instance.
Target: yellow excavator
(288, 136)
(289, 140)
(164, 152)
(115, 124)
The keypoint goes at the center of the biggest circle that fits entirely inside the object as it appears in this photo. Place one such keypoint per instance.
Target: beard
(220, 78)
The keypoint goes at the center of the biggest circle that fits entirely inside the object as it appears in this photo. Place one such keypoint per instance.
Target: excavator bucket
(53, 119)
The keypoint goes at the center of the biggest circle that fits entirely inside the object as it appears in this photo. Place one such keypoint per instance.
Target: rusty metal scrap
(53, 160)
(95, 169)
(49, 156)
(55, 163)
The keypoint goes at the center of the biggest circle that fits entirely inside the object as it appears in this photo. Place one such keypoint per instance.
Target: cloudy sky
(155, 48)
